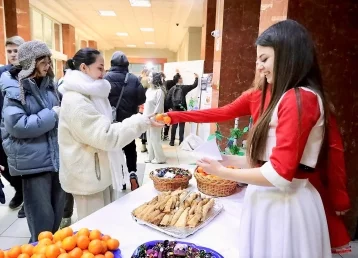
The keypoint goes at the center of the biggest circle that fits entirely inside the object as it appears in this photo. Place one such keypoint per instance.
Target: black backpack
(177, 97)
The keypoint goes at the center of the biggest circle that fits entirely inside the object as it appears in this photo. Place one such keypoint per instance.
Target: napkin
(208, 149)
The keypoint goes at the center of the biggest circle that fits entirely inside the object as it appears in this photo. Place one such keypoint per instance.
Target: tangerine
(95, 247)
(69, 243)
(95, 234)
(83, 242)
(87, 255)
(67, 231)
(38, 256)
(27, 249)
(76, 253)
(112, 244)
(52, 251)
(59, 244)
(23, 256)
(167, 120)
(159, 117)
(85, 251)
(83, 232)
(106, 237)
(63, 251)
(14, 252)
(6, 254)
(104, 246)
(45, 241)
(58, 236)
(2, 255)
(109, 254)
(45, 234)
(200, 170)
(64, 255)
(99, 256)
(40, 249)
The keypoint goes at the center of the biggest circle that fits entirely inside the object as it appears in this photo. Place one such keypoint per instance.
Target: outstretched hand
(210, 166)
(154, 123)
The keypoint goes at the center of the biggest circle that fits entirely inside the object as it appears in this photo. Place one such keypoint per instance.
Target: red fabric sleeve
(291, 138)
(240, 107)
(336, 170)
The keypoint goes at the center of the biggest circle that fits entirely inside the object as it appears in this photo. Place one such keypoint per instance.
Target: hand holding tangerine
(159, 117)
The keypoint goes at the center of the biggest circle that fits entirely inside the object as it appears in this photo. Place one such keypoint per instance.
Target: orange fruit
(167, 120)
(40, 249)
(83, 242)
(14, 252)
(105, 237)
(200, 170)
(6, 254)
(87, 255)
(112, 244)
(45, 234)
(104, 246)
(63, 251)
(23, 256)
(52, 251)
(45, 241)
(109, 254)
(95, 247)
(76, 253)
(83, 232)
(64, 255)
(67, 231)
(2, 255)
(58, 236)
(27, 249)
(69, 243)
(95, 234)
(59, 244)
(159, 117)
(99, 256)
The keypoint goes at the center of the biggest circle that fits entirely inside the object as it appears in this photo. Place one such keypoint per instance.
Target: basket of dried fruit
(214, 185)
(170, 179)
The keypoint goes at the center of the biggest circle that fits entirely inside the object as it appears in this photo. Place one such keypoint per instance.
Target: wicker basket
(170, 184)
(215, 187)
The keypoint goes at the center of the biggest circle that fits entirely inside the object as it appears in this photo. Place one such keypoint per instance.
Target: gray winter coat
(29, 132)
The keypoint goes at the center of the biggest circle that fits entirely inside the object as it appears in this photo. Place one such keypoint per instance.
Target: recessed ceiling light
(106, 13)
(122, 34)
(149, 43)
(147, 29)
(131, 45)
(140, 3)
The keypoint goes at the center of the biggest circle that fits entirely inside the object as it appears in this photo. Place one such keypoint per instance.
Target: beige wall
(190, 47)
(140, 53)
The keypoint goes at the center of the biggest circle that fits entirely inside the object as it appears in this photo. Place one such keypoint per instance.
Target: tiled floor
(14, 231)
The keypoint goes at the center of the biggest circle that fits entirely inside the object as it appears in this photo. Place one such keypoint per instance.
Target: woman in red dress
(265, 101)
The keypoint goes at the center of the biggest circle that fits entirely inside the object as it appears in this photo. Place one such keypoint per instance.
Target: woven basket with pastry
(170, 178)
(214, 185)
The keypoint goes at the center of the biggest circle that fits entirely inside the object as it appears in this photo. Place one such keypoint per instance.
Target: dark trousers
(44, 202)
(15, 181)
(166, 130)
(69, 202)
(174, 131)
(131, 156)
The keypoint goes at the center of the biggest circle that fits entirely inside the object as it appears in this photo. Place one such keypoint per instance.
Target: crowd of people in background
(73, 140)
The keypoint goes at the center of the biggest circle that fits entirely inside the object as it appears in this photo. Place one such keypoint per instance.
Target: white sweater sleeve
(159, 97)
(96, 130)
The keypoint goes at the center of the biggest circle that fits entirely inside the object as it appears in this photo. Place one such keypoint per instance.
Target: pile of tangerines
(65, 244)
(201, 171)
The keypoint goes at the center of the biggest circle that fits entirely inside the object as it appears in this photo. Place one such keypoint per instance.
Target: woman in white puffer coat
(90, 144)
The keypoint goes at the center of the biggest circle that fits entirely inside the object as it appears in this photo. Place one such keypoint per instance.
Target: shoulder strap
(120, 96)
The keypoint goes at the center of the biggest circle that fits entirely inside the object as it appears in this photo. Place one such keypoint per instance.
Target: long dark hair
(295, 66)
(85, 56)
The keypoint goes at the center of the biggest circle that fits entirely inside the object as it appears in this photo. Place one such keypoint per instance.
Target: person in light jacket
(154, 104)
(29, 134)
(89, 141)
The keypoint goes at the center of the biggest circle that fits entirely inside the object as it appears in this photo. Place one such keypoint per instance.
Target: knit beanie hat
(28, 53)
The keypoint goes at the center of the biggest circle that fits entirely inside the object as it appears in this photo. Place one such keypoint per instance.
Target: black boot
(16, 201)
(21, 213)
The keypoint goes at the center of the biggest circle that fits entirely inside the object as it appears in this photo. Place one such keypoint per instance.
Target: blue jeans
(44, 202)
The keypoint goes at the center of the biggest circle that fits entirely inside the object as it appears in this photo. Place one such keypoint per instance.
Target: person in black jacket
(168, 85)
(183, 107)
(12, 44)
(133, 97)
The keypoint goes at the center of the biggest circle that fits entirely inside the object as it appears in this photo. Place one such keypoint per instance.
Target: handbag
(114, 109)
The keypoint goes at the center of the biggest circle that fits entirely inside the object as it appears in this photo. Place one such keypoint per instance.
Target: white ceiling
(163, 15)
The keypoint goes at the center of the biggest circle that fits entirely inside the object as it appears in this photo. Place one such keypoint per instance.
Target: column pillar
(92, 44)
(17, 18)
(2, 34)
(207, 41)
(235, 53)
(68, 40)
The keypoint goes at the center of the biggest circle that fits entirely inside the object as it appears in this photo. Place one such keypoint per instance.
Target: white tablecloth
(221, 234)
